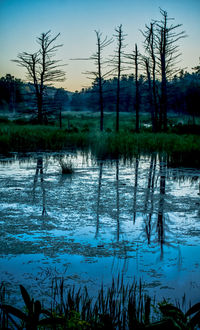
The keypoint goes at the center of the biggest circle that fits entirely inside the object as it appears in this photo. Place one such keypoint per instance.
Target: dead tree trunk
(98, 75)
(168, 53)
(100, 45)
(119, 31)
(146, 62)
(117, 60)
(150, 65)
(163, 105)
(137, 96)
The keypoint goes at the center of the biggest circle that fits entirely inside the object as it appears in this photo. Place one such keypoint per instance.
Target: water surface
(139, 218)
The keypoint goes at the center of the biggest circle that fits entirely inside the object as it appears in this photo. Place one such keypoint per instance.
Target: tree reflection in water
(98, 196)
(135, 189)
(150, 191)
(159, 199)
(117, 198)
(153, 208)
(161, 219)
(39, 171)
(148, 198)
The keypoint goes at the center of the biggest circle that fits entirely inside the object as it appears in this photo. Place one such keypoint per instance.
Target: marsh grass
(80, 131)
(117, 307)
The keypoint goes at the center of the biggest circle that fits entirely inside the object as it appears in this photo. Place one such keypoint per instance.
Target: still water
(137, 218)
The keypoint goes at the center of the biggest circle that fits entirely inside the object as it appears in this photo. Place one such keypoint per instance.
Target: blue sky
(22, 21)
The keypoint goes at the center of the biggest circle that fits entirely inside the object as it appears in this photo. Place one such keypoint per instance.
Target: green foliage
(174, 318)
(75, 322)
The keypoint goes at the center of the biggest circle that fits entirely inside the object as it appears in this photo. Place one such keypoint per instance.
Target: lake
(138, 218)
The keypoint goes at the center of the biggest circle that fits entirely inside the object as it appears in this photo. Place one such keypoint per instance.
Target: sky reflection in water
(139, 218)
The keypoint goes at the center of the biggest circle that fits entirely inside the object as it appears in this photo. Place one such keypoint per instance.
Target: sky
(22, 21)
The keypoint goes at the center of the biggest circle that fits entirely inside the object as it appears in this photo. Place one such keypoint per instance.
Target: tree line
(155, 83)
(183, 96)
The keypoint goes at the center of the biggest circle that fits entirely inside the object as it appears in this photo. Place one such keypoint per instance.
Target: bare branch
(41, 68)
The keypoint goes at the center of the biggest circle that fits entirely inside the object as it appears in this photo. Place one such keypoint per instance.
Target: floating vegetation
(67, 167)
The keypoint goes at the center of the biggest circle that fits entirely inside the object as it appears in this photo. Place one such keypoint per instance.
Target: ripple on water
(104, 219)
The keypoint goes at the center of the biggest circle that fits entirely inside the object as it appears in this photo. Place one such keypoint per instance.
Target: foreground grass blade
(26, 298)
(14, 311)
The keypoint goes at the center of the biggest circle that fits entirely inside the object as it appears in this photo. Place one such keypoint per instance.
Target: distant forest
(183, 96)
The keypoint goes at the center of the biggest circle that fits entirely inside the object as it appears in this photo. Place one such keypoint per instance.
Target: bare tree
(99, 76)
(42, 68)
(150, 67)
(135, 58)
(161, 44)
(168, 54)
(137, 95)
(117, 61)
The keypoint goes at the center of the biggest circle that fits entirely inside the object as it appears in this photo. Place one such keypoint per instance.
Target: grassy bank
(81, 132)
(119, 307)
